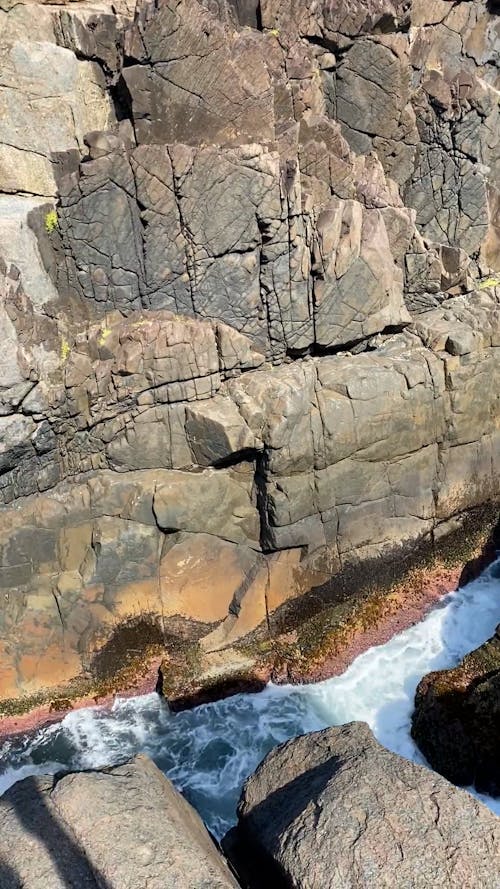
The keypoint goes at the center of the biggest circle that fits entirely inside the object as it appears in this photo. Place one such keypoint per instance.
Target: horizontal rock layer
(329, 461)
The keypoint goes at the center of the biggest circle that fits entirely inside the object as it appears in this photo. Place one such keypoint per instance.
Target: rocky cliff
(250, 311)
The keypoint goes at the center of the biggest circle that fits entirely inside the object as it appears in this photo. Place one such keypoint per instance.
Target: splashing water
(209, 751)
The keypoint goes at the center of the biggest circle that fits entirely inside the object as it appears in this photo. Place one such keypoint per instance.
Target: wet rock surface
(249, 293)
(336, 809)
(123, 826)
(456, 722)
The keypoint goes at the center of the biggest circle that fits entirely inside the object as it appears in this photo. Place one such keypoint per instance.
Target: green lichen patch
(65, 350)
(493, 281)
(51, 221)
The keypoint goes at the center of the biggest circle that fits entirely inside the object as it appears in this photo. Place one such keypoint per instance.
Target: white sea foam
(208, 752)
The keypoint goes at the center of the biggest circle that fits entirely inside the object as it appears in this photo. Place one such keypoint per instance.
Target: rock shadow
(490, 551)
(9, 878)
(255, 867)
(26, 812)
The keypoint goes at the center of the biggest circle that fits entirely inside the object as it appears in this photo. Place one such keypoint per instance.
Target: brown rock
(456, 721)
(48, 833)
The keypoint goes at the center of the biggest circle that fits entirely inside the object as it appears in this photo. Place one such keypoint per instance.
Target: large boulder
(456, 721)
(125, 826)
(336, 809)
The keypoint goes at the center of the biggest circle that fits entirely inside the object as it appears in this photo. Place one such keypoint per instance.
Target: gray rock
(332, 23)
(212, 502)
(146, 833)
(190, 96)
(48, 100)
(259, 331)
(19, 246)
(216, 431)
(336, 809)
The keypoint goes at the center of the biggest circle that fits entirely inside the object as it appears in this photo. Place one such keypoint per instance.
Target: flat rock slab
(120, 828)
(335, 810)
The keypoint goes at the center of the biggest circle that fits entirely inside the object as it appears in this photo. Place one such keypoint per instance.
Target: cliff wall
(250, 311)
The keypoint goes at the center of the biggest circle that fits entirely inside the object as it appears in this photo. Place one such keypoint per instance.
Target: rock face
(336, 809)
(125, 826)
(456, 722)
(250, 304)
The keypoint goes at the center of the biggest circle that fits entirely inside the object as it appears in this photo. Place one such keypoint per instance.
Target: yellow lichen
(274, 32)
(65, 350)
(105, 332)
(51, 221)
(489, 282)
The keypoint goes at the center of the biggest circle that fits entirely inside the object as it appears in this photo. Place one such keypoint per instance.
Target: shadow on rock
(9, 879)
(488, 554)
(36, 848)
(256, 863)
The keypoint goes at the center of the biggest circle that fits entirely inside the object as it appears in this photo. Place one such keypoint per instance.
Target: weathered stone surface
(49, 99)
(214, 502)
(257, 326)
(147, 833)
(334, 808)
(456, 721)
(19, 246)
(217, 431)
(333, 22)
(201, 576)
(337, 459)
(357, 292)
(192, 93)
(314, 242)
(214, 259)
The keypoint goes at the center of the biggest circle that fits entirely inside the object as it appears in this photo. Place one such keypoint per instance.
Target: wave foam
(208, 752)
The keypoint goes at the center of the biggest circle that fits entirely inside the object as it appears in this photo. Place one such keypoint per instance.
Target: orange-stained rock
(200, 574)
(249, 334)
(279, 577)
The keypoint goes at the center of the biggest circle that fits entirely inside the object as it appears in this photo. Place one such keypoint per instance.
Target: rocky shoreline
(326, 649)
(249, 414)
(331, 808)
(456, 721)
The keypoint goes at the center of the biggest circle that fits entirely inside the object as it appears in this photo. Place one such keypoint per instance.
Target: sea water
(210, 750)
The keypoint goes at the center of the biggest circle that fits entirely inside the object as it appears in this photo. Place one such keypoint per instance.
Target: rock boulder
(124, 826)
(456, 721)
(335, 809)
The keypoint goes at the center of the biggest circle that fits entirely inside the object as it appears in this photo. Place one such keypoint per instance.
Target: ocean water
(208, 752)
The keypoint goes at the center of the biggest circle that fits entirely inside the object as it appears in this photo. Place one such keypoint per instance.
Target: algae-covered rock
(456, 721)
